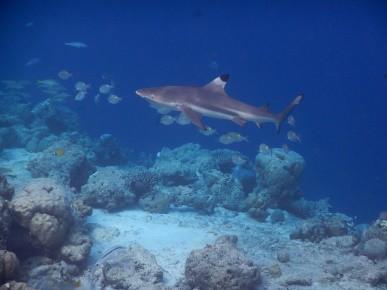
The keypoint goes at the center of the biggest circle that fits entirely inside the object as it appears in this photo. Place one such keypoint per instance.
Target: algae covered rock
(278, 175)
(43, 209)
(5, 222)
(221, 266)
(63, 161)
(9, 266)
(109, 188)
(107, 151)
(374, 249)
(133, 268)
(6, 190)
(76, 248)
(45, 273)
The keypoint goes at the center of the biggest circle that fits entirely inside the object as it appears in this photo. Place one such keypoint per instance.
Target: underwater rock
(190, 196)
(315, 230)
(43, 210)
(283, 256)
(186, 164)
(8, 138)
(5, 222)
(76, 248)
(228, 192)
(108, 188)
(142, 180)
(81, 209)
(6, 190)
(377, 230)
(13, 285)
(374, 249)
(221, 266)
(155, 203)
(258, 214)
(9, 266)
(277, 216)
(126, 269)
(278, 178)
(63, 161)
(57, 118)
(108, 152)
(45, 273)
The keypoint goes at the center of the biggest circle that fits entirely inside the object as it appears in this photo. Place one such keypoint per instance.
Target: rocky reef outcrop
(107, 152)
(109, 188)
(278, 174)
(65, 162)
(42, 211)
(128, 268)
(221, 266)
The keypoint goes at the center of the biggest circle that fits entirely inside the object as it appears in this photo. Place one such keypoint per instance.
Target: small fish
(30, 24)
(167, 120)
(208, 131)
(291, 120)
(81, 86)
(47, 83)
(76, 44)
(183, 120)
(285, 147)
(59, 152)
(292, 136)
(32, 61)
(232, 137)
(106, 88)
(263, 148)
(64, 75)
(80, 95)
(96, 98)
(238, 159)
(114, 99)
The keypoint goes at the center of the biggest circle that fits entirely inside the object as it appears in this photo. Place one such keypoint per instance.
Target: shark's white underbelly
(211, 113)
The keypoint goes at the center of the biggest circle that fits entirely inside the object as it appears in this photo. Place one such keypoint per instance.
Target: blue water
(335, 52)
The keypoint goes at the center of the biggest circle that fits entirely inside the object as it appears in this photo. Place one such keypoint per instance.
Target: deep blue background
(335, 52)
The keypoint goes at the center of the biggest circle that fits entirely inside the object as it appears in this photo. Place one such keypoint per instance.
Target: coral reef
(63, 161)
(221, 266)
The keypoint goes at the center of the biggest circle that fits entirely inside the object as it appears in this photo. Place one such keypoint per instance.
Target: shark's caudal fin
(279, 118)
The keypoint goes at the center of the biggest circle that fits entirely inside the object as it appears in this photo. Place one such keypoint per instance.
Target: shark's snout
(140, 93)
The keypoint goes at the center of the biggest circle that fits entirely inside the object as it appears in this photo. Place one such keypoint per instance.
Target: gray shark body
(212, 100)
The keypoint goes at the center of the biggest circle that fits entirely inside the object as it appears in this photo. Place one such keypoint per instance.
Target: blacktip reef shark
(212, 100)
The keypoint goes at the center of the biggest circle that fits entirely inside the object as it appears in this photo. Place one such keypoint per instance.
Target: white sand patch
(171, 237)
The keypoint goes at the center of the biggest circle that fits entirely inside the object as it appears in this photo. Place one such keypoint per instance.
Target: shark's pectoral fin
(238, 120)
(195, 117)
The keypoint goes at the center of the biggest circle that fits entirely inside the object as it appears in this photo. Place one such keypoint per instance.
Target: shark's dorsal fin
(218, 83)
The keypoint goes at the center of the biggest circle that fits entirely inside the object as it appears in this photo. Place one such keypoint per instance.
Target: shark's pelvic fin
(238, 120)
(218, 83)
(195, 117)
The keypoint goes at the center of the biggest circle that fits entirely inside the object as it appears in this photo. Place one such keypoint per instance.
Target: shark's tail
(279, 118)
